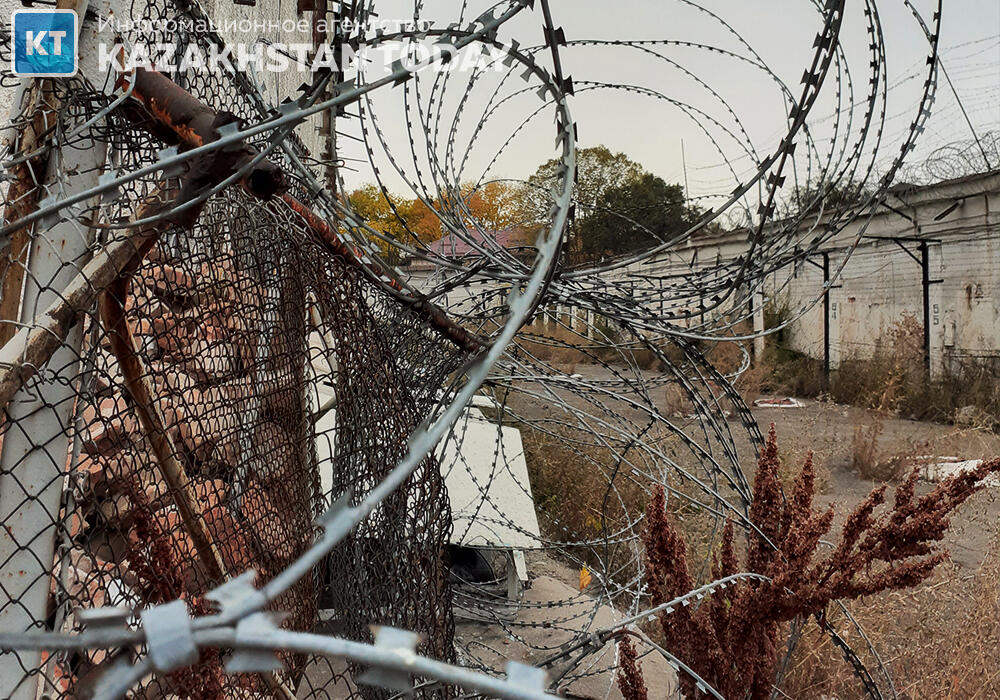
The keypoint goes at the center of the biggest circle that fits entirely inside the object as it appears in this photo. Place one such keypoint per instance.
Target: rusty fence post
(33, 460)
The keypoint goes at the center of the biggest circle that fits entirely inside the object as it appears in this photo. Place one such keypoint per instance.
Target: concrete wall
(8, 89)
(877, 282)
(275, 87)
(881, 282)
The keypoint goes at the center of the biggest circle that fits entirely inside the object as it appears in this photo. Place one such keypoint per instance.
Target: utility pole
(826, 320)
(684, 165)
(827, 288)
(923, 260)
(35, 453)
(757, 302)
(925, 284)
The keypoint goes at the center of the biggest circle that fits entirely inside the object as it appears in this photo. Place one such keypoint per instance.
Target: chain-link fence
(168, 443)
(209, 368)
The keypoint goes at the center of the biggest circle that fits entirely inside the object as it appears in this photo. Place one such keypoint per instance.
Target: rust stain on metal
(194, 124)
(190, 123)
(174, 107)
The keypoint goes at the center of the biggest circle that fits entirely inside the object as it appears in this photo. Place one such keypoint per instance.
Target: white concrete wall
(881, 283)
(878, 286)
(970, 297)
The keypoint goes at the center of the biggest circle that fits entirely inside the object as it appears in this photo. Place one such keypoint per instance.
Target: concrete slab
(487, 481)
(540, 628)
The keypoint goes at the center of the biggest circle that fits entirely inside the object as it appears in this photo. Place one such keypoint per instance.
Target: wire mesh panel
(401, 548)
(216, 325)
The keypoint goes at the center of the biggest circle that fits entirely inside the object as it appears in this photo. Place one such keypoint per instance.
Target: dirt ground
(825, 428)
(540, 629)
(828, 430)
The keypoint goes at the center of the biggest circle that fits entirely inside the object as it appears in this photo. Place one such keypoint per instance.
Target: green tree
(813, 197)
(629, 217)
(598, 169)
(621, 208)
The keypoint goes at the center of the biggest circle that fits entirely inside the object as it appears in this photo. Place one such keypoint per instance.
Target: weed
(732, 640)
(937, 641)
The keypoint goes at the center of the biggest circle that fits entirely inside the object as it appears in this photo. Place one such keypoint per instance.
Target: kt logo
(44, 43)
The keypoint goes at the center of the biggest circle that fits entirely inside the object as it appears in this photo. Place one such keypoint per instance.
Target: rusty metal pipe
(179, 118)
(433, 314)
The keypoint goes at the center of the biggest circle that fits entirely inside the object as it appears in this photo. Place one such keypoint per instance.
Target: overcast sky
(651, 129)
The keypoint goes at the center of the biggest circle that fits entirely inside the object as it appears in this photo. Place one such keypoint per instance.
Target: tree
(597, 169)
(491, 207)
(412, 220)
(617, 201)
(422, 219)
(494, 206)
(634, 215)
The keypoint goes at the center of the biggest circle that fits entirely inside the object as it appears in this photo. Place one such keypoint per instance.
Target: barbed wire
(207, 345)
(956, 160)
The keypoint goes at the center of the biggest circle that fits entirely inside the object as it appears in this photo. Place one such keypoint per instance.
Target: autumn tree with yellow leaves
(492, 206)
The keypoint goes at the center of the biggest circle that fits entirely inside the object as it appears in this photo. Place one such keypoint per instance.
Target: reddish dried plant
(732, 639)
(629, 676)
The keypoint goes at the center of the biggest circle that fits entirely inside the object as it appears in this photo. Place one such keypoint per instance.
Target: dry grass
(868, 458)
(792, 459)
(864, 447)
(566, 347)
(786, 371)
(572, 479)
(937, 641)
(579, 494)
(877, 462)
(894, 379)
(781, 370)
(891, 378)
